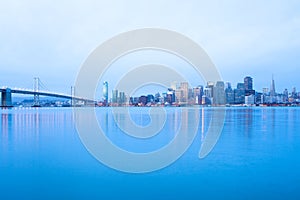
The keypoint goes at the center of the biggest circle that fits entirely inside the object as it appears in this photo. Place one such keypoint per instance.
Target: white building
(250, 100)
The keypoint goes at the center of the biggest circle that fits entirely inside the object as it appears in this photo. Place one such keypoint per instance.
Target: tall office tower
(115, 96)
(196, 91)
(240, 86)
(207, 98)
(184, 87)
(210, 84)
(248, 84)
(170, 96)
(239, 94)
(210, 90)
(157, 97)
(250, 100)
(219, 93)
(259, 98)
(272, 88)
(190, 95)
(294, 93)
(122, 98)
(197, 94)
(105, 93)
(178, 95)
(229, 94)
(285, 96)
(272, 92)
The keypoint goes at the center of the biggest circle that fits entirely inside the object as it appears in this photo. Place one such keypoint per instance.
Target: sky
(52, 39)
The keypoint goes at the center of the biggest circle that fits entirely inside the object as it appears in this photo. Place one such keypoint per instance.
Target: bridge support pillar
(72, 96)
(36, 89)
(6, 99)
(36, 100)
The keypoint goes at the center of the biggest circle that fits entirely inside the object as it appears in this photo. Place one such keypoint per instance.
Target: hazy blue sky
(51, 39)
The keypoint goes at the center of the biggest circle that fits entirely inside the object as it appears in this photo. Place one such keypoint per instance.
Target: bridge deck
(45, 93)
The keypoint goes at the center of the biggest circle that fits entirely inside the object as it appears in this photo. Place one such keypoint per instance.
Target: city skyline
(214, 93)
(140, 91)
(179, 93)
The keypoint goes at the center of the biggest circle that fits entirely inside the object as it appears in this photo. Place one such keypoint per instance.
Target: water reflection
(110, 124)
(27, 126)
(248, 116)
(176, 119)
(20, 127)
(202, 124)
(6, 121)
(15, 125)
(251, 122)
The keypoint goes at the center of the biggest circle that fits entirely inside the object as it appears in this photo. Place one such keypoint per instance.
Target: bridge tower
(6, 100)
(72, 96)
(36, 90)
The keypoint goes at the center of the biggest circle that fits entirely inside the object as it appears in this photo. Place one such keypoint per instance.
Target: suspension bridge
(6, 95)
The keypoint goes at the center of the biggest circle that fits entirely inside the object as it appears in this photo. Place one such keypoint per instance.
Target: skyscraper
(122, 98)
(272, 91)
(209, 92)
(170, 96)
(184, 86)
(229, 94)
(285, 96)
(182, 93)
(197, 94)
(207, 97)
(178, 95)
(219, 93)
(157, 97)
(105, 93)
(115, 96)
(272, 88)
(239, 94)
(294, 93)
(248, 84)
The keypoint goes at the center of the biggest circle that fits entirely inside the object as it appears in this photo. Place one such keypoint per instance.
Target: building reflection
(23, 127)
(202, 124)
(189, 127)
(19, 127)
(248, 122)
(267, 120)
(6, 120)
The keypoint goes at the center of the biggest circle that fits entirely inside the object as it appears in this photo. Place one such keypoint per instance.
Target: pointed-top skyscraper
(272, 89)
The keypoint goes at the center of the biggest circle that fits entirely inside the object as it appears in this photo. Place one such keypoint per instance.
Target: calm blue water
(256, 157)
